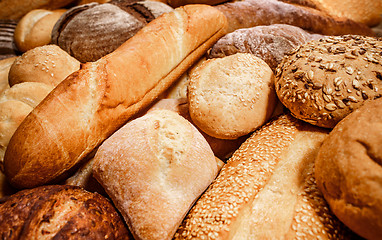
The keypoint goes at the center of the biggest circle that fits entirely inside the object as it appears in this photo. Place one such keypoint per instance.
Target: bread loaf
(59, 212)
(95, 101)
(349, 171)
(89, 32)
(11, 9)
(232, 96)
(47, 64)
(270, 43)
(154, 168)
(7, 44)
(35, 28)
(324, 80)
(267, 190)
(251, 13)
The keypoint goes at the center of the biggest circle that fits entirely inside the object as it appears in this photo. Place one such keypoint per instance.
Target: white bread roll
(232, 96)
(267, 190)
(154, 168)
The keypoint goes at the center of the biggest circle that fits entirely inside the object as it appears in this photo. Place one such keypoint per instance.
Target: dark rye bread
(59, 212)
(7, 44)
(90, 31)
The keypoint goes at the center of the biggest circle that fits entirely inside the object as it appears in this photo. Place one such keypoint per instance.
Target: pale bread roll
(153, 169)
(5, 65)
(267, 190)
(35, 28)
(232, 96)
(47, 64)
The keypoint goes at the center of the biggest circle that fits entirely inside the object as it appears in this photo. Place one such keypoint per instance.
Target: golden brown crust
(268, 184)
(349, 170)
(325, 80)
(250, 13)
(154, 168)
(60, 212)
(95, 101)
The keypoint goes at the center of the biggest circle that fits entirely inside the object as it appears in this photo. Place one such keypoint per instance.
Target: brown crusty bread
(270, 43)
(267, 190)
(154, 168)
(349, 170)
(250, 13)
(95, 101)
(59, 212)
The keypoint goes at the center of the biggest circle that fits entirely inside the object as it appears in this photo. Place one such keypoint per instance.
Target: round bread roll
(324, 80)
(47, 64)
(154, 168)
(5, 65)
(35, 28)
(349, 170)
(90, 31)
(232, 96)
(60, 212)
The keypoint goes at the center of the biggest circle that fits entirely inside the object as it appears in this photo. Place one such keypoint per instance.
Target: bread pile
(202, 119)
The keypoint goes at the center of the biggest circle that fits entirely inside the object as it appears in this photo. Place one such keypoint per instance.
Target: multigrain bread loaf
(349, 172)
(324, 80)
(59, 212)
(35, 28)
(270, 43)
(11, 9)
(232, 96)
(154, 168)
(89, 32)
(92, 103)
(250, 13)
(368, 12)
(47, 64)
(267, 190)
(222, 148)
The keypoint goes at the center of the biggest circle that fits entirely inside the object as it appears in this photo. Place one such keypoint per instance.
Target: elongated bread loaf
(267, 190)
(95, 101)
(250, 13)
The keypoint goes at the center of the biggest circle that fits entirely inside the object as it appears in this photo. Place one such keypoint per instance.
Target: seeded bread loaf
(270, 43)
(89, 32)
(251, 13)
(349, 170)
(92, 103)
(324, 80)
(267, 190)
(59, 212)
(154, 168)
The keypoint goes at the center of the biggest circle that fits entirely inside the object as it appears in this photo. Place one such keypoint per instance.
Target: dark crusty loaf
(59, 212)
(250, 13)
(89, 32)
(270, 43)
(92, 103)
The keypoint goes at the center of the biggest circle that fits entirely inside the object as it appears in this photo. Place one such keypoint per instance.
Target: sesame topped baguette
(95, 101)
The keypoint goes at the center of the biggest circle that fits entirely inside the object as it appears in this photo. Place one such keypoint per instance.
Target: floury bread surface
(92, 103)
(267, 190)
(154, 168)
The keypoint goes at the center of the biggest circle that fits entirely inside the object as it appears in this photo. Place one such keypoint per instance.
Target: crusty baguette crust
(95, 101)
(250, 13)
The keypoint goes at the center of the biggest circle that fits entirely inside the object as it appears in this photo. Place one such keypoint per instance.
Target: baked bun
(267, 190)
(270, 43)
(222, 148)
(48, 64)
(232, 96)
(35, 28)
(59, 212)
(349, 170)
(324, 80)
(5, 65)
(154, 168)
(89, 32)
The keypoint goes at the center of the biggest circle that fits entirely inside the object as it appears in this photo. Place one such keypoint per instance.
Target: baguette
(92, 103)
(250, 13)
(267, 190)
